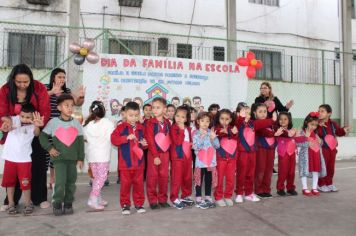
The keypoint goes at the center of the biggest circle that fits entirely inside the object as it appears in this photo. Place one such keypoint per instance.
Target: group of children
(219, 151)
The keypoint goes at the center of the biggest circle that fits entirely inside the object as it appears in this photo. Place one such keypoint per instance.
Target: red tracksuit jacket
(265, 138)
(128, 158)
(332, 128)
(255, 125)
(153, 127)
(177, 138)
(221, 153)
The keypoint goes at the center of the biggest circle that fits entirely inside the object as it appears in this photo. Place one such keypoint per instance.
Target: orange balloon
(83, 52)
(253, 62)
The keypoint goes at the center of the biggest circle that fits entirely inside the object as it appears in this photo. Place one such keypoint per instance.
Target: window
(274, 3)
(138, 47)
(272, 65)
(184, 50)
(337, 54)
(36, 50)
(353, 14)
(219, 54)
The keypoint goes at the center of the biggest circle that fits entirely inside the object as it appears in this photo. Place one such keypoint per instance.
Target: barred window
(219, 54)
(272, 64)
(274, 3)
(184, 50)
(36, 50)
(138, 47)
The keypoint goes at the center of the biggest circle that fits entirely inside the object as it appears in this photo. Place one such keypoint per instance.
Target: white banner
(117, 79)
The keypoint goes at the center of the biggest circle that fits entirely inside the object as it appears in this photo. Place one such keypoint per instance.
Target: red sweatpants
(181, 178)
(226, 168)
(245, 173)
(157, 175)
(286, 172)
(264, 170)
(134, 179)
(329, 157)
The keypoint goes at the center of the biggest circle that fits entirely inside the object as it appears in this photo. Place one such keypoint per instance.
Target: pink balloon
(250, 56)
(92, 57)
(243, 61)
(229, 145)
(251, 72)
(74, 47)
(163, 141)
(88, 44)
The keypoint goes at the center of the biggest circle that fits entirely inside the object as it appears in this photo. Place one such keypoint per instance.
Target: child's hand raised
(274, 116)
(347, 129)
(80, 164)
(53, 152)
(234, 130)
(131, 137)
(213, 134)
(143, 142)
(292, 132)
(279, 131)
(38, 120)
(157, 161)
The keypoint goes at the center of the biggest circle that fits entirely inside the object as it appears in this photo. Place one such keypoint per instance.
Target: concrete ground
(329, 214)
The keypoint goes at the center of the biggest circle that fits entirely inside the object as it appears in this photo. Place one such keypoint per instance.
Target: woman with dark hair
(21, 88)
(272, 102)
(55, 88)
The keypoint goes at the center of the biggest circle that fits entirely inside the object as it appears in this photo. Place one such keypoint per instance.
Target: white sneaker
(229, 202)
(94, 204)
(239, 199)
(4, 208)
(323, 189)
(332, 188)
(220, 203)
(252, 198)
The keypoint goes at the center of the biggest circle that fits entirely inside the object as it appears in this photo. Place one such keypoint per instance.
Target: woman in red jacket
(21, 88)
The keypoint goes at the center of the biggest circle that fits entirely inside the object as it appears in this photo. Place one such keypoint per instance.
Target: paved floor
(330, 214)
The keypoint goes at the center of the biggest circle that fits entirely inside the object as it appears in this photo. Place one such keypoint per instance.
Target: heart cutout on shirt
(137, 151)
(314, 145)
(187, 149)
(206, 155)
(66, 135)
(270, 141)
(229, 145)
(331, 141)
(291, 147)
(17, 109)
(270, 105)
(249, 136)
(163, 141)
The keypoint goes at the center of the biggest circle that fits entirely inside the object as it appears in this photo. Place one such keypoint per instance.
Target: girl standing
(97, 132)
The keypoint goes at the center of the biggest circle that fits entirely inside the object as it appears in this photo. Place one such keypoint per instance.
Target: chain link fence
(309, 76)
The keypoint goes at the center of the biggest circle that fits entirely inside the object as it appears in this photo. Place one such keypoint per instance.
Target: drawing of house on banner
(156, 91)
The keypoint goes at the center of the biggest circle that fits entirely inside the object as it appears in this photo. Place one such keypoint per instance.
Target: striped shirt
(53, 101)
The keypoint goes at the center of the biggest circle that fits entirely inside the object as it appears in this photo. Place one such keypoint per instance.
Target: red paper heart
(270, 105)
(331, 141)
(270, 141)
(206, 156)
(282, 148)
(17, 109)
(229, 145)
(187, 149)
(249, 136)
(137, 151)
(163, 141)
(66, 135)
(291, 147)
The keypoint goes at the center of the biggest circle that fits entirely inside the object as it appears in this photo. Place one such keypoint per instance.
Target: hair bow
(314, 114)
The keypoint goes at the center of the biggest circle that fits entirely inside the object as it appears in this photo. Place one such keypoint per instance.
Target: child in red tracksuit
(266, 145)
(158, 140)
(129, 137)
(246, 161)
(181, 157)
(226, 157)
(286, 149)
(328, 130)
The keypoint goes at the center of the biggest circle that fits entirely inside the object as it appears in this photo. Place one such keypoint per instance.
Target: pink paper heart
(282, 148)
(331, 141)
(17, 109)
(187, 149)
(249, 136)
(229, 145)
(291, 147)
(206, 155)
(270, 105)
(270, 141)
(163, 141)
(314, 145)
(66, 135)
(137, 151)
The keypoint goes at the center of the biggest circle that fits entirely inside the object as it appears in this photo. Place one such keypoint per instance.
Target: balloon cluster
(83, 52)
(251, 63)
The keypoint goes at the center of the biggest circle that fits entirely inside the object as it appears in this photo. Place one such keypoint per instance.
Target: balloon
(83, 52)
(250, 56)
(79, 59)
(74, 47)
(92, 57)
(88, 44)
(243, 61)
(259, 64)
(251, 72)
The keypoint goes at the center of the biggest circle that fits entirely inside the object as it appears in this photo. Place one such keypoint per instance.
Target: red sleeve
(4, 102)
(177, 135)
(239, 121)
(265, 133)
(338, 130)
(219, 133)
(261, 124)
(116, 138)
(151, 139)
(300, 139)
(44, 106)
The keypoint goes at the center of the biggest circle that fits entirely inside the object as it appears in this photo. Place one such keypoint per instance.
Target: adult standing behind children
(21, 88)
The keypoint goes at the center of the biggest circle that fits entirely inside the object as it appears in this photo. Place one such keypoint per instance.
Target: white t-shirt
(186, 135)
(17, 147)
(98, 140)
